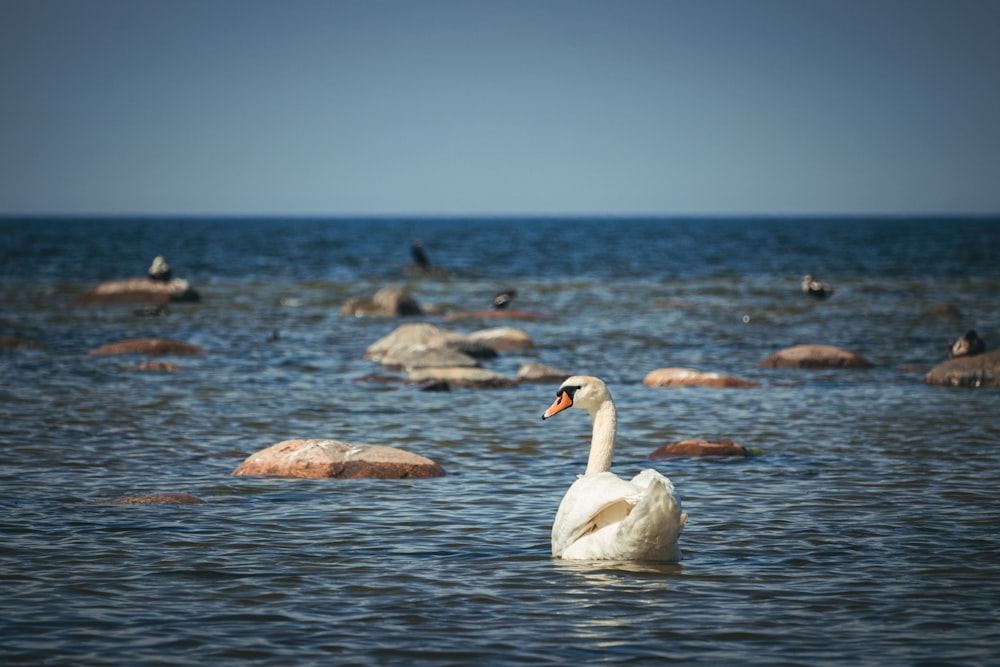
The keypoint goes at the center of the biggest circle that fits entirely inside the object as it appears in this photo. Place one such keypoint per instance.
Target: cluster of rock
(428, 353)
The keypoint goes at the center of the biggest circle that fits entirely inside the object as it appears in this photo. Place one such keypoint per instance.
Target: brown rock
(148, 346)
(982, 370)
(700, 447)
(153, 499)
(335, 458)
(534, 373)
(140, 290)
(683, 377)
(389, 301)
(472, 378)
(814, 356)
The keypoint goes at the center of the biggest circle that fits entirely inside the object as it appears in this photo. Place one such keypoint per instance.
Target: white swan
(603, 517)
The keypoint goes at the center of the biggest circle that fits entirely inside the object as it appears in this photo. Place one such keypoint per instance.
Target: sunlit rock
(981, 370)
(502, 338)
(814, 356)
(336, 458)
(685, 377)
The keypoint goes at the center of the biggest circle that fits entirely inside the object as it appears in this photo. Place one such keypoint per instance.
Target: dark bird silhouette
(967, 346)
(419, 256)
(503, 299)
(815, 287)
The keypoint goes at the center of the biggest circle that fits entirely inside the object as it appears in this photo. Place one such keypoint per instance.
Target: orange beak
(563, 401)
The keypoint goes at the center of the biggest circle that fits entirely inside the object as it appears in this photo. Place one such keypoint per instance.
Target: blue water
(865, 530)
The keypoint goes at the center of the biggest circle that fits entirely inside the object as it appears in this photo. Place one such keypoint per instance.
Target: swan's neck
(602, 443)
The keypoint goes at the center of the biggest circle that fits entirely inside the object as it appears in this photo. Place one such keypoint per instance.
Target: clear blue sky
(468, 107)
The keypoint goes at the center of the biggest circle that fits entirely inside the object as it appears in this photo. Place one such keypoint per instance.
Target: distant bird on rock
(816, 288)
(968, 345)
(419, 256)
(503, 299)
(159, 269)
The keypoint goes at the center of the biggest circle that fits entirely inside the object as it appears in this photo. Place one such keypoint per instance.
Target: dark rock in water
(432, 385)
(968, 345)
(17, 341)
(153, 499)
(815, 356)
(700, 447)
(334, 458)
(981, 370)
(388, 302)
(148, 346)
(944, 311)
(685, 377)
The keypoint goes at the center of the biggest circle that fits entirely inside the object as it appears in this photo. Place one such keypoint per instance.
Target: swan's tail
(654, 525)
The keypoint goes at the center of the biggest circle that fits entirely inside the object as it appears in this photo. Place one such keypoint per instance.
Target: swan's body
(604, 517)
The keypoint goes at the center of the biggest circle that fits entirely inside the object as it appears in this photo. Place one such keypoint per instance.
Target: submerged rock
(981, 370)
(154, 366)
(148, 346)
(471, 378)
(684, 377)
(335, 458)
(700, 447)
(153, 499)
(17, 341)
(815, 356)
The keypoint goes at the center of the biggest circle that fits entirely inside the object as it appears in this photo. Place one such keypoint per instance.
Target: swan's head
(579, 391)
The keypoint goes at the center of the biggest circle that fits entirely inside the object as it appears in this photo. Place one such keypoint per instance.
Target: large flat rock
(336, 458)
(815, 356)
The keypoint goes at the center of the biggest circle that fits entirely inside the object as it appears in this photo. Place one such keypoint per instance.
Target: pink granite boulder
(700, 447)
(687, 377)
(335, 458)
(814, 356)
